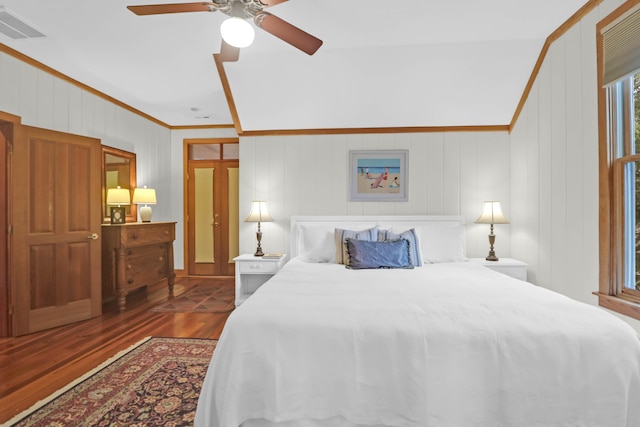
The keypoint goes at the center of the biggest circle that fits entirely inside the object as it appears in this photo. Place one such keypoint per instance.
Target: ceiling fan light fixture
(237, 32)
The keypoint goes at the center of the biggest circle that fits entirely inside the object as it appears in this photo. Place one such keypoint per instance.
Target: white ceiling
(382, 64)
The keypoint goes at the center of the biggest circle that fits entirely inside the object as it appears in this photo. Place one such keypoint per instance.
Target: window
(214, 151)
(623, 101)
(619, 121)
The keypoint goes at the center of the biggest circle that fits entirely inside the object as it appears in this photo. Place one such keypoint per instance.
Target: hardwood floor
(36, 365)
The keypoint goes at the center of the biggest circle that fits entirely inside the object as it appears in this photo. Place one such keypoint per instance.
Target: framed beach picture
(378, 175)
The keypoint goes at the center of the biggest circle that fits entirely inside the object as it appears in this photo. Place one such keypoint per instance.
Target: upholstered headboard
(442, 238)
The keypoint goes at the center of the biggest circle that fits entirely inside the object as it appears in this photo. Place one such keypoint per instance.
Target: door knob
(93, 236)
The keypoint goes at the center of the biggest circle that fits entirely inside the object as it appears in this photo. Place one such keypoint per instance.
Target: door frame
(223, 264)
(10, 124)
(185, 186)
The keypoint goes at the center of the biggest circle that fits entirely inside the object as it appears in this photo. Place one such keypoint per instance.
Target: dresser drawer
(138, 236)
(248, 267)
(145, 254)
(138, 277)
(145, 264)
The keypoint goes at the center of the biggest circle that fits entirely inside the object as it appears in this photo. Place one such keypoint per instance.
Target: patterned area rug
(156, 383)
(200, 299)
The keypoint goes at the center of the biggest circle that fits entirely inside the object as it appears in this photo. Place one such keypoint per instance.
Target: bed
(449, 343)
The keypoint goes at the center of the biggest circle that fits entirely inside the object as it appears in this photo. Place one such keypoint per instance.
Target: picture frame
(118, 215)
(378, 175)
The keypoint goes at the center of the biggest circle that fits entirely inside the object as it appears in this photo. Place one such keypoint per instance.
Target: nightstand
(509, 266)
(252, 272)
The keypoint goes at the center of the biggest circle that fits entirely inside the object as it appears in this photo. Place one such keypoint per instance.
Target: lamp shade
(146, 196)
(118, 196)
(492, 214)
(259, 212)
(237, 32)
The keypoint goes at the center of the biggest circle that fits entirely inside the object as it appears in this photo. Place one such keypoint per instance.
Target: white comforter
(452, 344)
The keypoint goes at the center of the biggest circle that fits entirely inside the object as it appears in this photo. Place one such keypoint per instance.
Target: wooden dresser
(136, 254)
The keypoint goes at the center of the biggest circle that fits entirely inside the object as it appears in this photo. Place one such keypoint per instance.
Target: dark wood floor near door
(36, 365)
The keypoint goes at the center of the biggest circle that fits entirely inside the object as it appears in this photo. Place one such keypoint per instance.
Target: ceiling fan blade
(156, 9)
(288, 33)
(229, 53)
(268, 3)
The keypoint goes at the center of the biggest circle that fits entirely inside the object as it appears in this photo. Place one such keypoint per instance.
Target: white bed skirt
(307, 422)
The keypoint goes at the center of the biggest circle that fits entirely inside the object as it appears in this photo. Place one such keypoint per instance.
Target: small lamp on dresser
(259, 214)
(146, 196)
(492, 214)
(117, 197)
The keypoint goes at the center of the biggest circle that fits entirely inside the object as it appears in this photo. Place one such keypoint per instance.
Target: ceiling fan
(239, 10)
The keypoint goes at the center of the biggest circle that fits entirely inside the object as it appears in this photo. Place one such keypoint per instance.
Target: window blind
(621, 47)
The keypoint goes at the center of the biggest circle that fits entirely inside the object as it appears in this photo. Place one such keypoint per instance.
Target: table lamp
(492, 214)
(259, 214)
(148, 197)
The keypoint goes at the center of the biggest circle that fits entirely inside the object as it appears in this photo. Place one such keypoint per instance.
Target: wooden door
(56, 229)
(6, 131)
(212, 217)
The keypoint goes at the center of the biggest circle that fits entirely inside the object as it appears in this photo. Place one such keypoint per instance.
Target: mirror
(118, 168)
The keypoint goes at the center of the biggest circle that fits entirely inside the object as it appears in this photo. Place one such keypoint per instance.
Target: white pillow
(443, 243)
(317, 244)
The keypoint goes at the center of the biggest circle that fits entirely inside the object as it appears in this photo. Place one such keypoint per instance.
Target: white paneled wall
(554, 167)
(545, 172)
(449, 173)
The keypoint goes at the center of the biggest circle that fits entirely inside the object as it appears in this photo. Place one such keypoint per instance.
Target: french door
(212, 213)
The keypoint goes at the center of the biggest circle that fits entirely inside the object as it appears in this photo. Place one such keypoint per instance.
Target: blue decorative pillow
(341, 237)
(373, 254)
(411, 236)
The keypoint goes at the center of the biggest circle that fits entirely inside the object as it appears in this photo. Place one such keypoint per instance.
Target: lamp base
(259, 248)
(491, 257)
(145, 213)
(492, 239)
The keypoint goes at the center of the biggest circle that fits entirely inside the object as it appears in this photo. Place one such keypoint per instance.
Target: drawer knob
(160, 258)
(134, 236)
(130, 281)
(128, 266)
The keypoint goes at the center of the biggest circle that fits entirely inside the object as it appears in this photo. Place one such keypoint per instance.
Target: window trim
(610, 295)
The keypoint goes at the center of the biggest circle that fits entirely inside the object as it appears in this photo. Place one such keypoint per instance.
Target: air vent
(16, 28)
